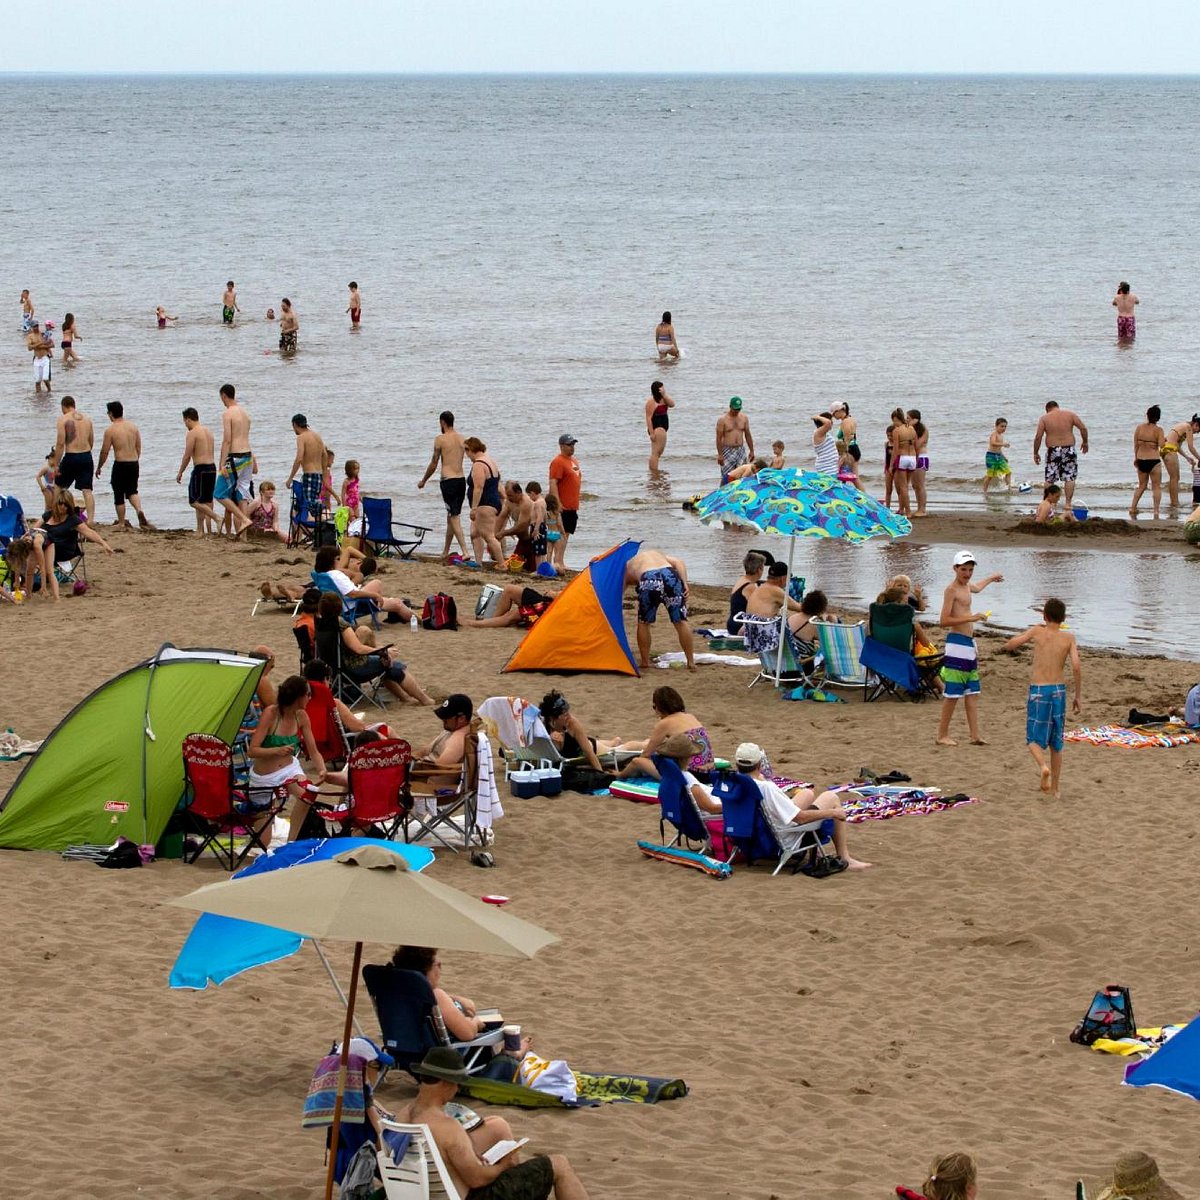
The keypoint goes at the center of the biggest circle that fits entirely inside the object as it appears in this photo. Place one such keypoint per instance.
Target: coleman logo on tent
(116, 806)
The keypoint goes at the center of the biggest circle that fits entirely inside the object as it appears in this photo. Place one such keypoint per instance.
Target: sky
(652, 36)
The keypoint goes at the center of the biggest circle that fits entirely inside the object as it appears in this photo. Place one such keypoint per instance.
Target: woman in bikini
(904, 458)
(673, 717)
(664, 338)
(1148, 442)
(847, 441)
(69, 335)
(275, 746)
(1180, 435)
(657, 421)
(483, 496)
(918, 476)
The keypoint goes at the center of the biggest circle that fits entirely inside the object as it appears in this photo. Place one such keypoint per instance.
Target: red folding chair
(377, 793)
(327, 730)
(216, 807)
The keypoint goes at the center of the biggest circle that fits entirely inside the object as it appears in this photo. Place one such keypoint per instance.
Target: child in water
(554, 530)
(995, 463)
(162, 317)
(351, 497)
(777, 459)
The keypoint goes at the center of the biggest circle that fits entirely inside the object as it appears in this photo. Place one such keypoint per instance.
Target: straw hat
(679, 745)
(1135, 1175)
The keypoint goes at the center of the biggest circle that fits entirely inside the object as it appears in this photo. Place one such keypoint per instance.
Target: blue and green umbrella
(794, 504)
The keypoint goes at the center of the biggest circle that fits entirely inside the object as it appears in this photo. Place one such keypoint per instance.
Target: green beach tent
(114, 764)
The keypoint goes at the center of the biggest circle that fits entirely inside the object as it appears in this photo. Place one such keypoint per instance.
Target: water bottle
(413, 623)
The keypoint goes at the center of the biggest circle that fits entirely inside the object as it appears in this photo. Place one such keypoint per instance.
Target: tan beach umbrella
(367, 895)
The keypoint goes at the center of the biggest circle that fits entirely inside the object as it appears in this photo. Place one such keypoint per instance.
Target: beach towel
(13, 747)
(1142, 1041)
(884, 803)
(322, 1093)
(592, 1088)
(1135, 737)
(487, 797)
(687, 858)
(675, 658)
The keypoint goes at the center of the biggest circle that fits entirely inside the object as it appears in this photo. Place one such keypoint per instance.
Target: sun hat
(442, 1063)
(1135, 1174)
(749, 754)
(679, 745)
(963, 557)
(454, 705)
(735, 403)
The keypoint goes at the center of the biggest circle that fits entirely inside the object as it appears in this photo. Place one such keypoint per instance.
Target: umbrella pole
(783, 612)
(341, 1086)
(337, 987)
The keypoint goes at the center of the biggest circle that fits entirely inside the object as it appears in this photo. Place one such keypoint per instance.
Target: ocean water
(949, 244)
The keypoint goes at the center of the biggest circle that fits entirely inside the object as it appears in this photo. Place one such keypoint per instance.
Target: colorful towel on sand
(593, 1089)
(1145, 1041)
(883, 803)
(687, 858)
(322, 1093)
(1135, 737)
(13, 747)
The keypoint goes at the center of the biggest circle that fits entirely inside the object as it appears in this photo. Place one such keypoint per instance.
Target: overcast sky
(974, 36)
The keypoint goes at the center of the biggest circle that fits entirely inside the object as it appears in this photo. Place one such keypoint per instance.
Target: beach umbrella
(800, 504)
(367, 895)
(1175, 1065)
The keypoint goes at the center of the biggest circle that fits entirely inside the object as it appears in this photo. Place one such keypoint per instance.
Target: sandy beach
(834, 1034)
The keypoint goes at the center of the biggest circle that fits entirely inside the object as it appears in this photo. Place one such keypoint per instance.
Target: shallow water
(950, 244)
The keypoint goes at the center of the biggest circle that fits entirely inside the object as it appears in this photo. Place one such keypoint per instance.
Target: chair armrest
(490, 1037)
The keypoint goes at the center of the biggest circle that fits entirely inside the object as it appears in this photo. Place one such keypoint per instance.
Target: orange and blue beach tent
(584, 627)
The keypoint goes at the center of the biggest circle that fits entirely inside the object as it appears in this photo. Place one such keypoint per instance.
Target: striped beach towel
(1144, 737)
(322, 1093)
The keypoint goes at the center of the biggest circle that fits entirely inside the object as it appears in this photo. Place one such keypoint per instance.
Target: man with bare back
(124, 440)
(448, 451)
(237, 462)
(74, 439)
(310, 464)
(1057, 426)
(198, 449)
(1046, 708)
(735, 443)
(960, 669)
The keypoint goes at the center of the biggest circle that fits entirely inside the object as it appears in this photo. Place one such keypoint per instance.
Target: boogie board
(642, 791)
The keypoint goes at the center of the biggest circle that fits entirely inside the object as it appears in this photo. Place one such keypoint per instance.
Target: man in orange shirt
(565, 481)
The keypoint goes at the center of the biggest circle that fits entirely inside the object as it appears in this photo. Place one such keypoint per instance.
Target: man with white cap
(960, 668)
(793, 815)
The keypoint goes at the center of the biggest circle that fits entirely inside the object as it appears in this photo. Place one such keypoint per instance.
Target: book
(495, 1153)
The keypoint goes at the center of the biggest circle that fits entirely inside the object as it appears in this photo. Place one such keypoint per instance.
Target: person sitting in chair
(792, 814)
(439, 765)
(439, 1075)
(458, 1012)
(517, 605)
(766, 602)
(568, 734)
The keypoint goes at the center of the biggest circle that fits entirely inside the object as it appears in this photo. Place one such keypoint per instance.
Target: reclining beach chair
(747, 828)
(215, 807)
(678, 808)
(377, 791)
(762, 637)
(411, 1165)
(282, 603)
(411, 1024)
(353, 607)
(888, 658)
(841, 648)
(514, 723)
(453, 811)
(379, 531)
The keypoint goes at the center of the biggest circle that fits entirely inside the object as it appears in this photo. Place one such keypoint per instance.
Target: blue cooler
(525, 784)
(550, 781)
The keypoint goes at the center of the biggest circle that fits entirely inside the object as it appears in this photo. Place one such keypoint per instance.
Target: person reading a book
(486, 1166)
(462, 1016)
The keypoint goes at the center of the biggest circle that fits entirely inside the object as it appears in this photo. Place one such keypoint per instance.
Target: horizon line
(593, 73)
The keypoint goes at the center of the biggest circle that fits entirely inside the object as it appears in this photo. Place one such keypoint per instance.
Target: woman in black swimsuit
(739, 594)
(483, 495)
(1148, 439)
(568, 734)
(657, 421)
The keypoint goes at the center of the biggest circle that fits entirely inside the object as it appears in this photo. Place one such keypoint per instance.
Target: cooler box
(550, 781)
(525, 784)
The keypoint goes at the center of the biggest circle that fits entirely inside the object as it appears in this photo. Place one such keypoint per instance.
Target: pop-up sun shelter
(113, 766)
(584, 629)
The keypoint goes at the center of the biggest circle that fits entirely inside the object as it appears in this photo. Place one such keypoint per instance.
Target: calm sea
(948, 244)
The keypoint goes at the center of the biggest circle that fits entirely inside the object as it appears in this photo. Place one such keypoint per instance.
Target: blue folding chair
(352, 607)
(747, 827)
(677, 807)
(378, 529)
(306, 523)
(12, 520)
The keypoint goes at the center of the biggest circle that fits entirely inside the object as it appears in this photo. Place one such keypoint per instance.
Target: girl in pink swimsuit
(350, 497)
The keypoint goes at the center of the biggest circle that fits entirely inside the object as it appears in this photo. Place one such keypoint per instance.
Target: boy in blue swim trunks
(1046, 708)
(659, 579)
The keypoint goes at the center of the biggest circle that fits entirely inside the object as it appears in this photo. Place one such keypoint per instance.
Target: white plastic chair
(420, 1174)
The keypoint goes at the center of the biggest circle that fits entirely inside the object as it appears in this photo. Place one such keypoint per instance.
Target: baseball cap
(735, 403)
(749, 754)
(567, 440)
(455, 705)
(963, 557)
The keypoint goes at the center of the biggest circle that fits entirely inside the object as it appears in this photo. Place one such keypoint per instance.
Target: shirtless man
(659, 579)
(439, 1075)
(960, 671)
(1046, 708)
(42, 349)
(199, 449)
(516, 520)
(289, 327)
(355, 306)
(448, 451)
(1057, 426)
(310, 463)
(735, 443)
(1124, 302)
(124, 440)
(237, 462)
(439, 765)
(74, 439)
(27, 311)
(229, 304)
(1180, 443)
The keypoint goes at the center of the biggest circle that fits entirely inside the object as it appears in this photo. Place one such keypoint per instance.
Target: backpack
(439, 612)
(1110, 1015)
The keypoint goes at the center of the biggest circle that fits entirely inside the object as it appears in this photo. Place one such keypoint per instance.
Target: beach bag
(549, 1075)
(584, 779)
(439, 612)
(1110, 1015)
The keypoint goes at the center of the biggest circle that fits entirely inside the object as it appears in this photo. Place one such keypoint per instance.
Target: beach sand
(835, 1034)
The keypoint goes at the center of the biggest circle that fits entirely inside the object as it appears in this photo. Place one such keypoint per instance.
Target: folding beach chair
(377, 790)
(747, 827)
(328, 645)
(380, 531)
(841, 648)
(411, 1165)
(516, 723)
(887, 656)
(678, 808)
(12, 520)
(762, 637)
(410, 1022)
(216, 807)
(306, 521)
(451, 809)
(353, 607)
